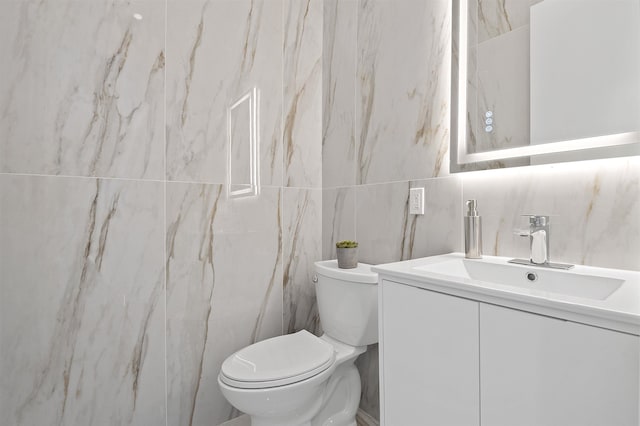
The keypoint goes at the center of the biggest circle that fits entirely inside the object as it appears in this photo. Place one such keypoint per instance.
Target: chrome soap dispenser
(472, 231)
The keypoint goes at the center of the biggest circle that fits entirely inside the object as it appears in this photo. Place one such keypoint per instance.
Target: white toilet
(303, 380)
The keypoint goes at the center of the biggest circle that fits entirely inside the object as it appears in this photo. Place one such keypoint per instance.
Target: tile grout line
(283, 33)
(164, 181)
(43, 175)
(164, 214)
(356, 142)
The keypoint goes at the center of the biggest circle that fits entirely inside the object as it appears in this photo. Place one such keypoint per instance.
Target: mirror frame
(608, 146)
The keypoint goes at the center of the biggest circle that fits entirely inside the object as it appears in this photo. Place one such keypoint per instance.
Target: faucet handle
(537, 220)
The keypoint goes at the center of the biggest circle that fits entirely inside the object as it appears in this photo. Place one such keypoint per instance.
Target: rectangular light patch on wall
(243, 158)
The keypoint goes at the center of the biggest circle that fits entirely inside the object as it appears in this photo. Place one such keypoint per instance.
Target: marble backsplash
(594, 209)
(593, 206)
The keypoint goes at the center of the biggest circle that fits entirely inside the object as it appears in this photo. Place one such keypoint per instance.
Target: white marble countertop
(619, 311)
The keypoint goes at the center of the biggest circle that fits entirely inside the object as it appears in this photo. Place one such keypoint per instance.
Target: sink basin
(602, 297)
(566, 283)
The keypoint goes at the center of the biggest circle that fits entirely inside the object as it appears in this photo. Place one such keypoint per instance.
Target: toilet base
(337, 406)
(343, 398)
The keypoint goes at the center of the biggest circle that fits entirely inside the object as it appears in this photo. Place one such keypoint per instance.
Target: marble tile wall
(302, 141)
(302, 228)
(218, 51)
(401, 125)
(339, 93)
(102, 116)
(127, 275)
(386, 115)
(303, 41)
(224, 290)
(401, 95)
(81, 301)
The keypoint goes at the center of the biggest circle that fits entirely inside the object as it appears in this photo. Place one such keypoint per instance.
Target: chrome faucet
(538, 234)
(538, 239)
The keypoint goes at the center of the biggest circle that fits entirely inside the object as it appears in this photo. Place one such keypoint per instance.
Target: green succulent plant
(347, 244)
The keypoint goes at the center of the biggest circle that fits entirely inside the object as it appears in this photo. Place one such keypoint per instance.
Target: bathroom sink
(566, 283)
(608, 298)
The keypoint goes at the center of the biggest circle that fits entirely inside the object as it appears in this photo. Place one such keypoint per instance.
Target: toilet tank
(348, 302)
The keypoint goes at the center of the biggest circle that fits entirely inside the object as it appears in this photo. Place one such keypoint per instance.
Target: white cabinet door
(540, 371)
(429, 355)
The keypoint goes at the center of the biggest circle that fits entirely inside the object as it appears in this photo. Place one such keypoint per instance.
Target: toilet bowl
(303, 380)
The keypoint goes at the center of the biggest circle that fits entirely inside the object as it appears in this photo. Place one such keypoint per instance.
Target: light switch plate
(416, 201)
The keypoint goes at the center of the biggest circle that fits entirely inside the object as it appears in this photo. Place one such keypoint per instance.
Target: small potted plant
(347, 254)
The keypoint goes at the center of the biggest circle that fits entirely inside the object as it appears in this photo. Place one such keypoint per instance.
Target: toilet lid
(278, 361)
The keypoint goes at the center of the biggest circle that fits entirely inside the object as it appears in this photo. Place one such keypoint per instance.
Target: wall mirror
(544, 81)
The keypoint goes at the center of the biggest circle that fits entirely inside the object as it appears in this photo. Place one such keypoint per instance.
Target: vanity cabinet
(447, 361)
(536, 370)
(429, 356)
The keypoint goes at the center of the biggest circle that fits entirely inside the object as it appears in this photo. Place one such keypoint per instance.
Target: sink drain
(532, 276)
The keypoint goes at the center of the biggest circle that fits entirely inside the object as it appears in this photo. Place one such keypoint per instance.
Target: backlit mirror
(543, 81)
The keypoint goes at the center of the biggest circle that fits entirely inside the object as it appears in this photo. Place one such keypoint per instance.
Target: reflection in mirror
(243, 169)
(573, 66)
(541, 81)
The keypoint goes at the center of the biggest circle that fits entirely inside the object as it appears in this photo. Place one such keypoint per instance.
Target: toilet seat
(278, 361)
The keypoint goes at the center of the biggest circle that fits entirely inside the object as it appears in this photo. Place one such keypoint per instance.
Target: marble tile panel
(217, 51)
(224, 290)
(338, 218)
(388, 233)
(302, 135)
(338, 93)
(368, 367)
(497, 17)
(440, 229)
(81, 302)
(302, 225)
(83, 91)
(382, 221)
(594, 209)
(403, 90)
